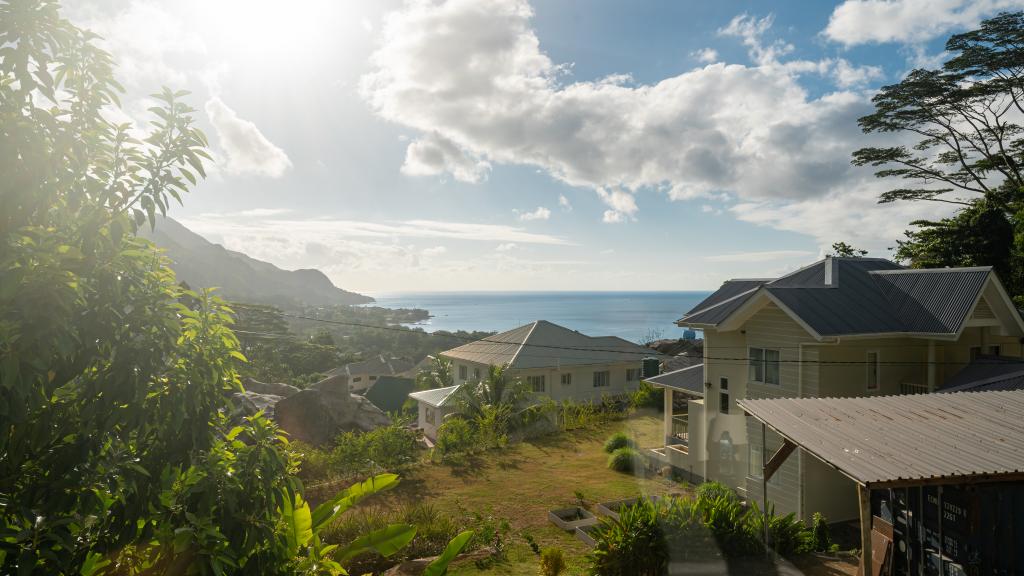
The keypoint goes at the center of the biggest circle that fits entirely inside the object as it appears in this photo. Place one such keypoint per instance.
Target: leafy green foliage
(625, 459)
(646, 396)
(356, 454)
(552, 561)
(821, 535)
(456, 436)
(633, 544)
(713, 520)
(276, 354)
(844, 250)
(618, 440)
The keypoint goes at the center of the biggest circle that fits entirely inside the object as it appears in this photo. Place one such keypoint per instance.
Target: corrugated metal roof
(988, 373)
(730, 289)
(389, 392)
(865, 296)
(544, 345)
(690, 380)
(435, 396)
(910, 439)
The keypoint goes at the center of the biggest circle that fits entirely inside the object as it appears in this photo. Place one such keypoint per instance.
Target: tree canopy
(968, 151)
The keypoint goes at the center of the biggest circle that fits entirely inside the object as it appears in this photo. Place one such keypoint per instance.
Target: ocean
(629, 315)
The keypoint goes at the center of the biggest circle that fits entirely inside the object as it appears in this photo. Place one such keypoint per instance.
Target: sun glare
(281, 30)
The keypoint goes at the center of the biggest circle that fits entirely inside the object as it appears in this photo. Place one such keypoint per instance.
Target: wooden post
(864, 496)
(764, 479)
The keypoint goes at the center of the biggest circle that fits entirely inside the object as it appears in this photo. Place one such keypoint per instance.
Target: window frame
(606, 376)
(429, 415)
(877, 366)
(463, 372)
(632, 374)
(532, 382)
(723, 402)
(566, 378)
(762, 365)
(476, 374)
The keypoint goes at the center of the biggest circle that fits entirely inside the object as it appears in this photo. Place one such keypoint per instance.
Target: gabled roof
(906, 440)
(389, 392)
(848, 296)
(542, 344)
(689, 380)
(436, 397)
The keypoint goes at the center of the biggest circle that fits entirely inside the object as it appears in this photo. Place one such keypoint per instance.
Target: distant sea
(629, 315)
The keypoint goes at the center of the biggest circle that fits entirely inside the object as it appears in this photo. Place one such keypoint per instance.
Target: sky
(548, 145)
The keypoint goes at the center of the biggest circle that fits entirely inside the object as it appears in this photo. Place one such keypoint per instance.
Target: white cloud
(434, 154)
(247, 150)
(435, 251)
(750, 132)
(541, 213)
(849, 75)
(908, 21)
(762, 256)
(705, 55)
(506, 247)
(564, 203)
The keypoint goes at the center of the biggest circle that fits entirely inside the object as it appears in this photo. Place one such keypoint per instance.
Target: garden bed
(611, 508)
(586, 534)
(571, 518)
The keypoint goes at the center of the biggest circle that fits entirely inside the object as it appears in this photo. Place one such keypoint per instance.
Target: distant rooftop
(436, 397)
(542, 344)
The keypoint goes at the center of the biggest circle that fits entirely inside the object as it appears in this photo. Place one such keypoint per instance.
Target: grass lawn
(522, 482)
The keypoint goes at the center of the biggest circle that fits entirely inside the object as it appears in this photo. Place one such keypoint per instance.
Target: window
(372, 378)
(754, 464)
(723, 402)
(993, 350)
(602, 379)
(357, 379)
(463, 372)
(873, 370)
(428, 415)
(764, 366)
(476, 374)
(723, 384)
(567, 379)
(536, 383)
(975, 352)
(632, 374)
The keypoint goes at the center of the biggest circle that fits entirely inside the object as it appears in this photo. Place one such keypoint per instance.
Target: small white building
(362, 375)
(433, 407)
(553, 361)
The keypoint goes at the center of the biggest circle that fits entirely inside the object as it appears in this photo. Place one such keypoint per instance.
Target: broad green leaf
(385, 541)
(329, 510)
(440, 565)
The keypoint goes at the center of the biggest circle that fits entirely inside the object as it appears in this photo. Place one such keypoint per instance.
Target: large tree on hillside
(966, 118)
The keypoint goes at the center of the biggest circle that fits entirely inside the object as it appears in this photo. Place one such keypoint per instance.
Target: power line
(735, 360)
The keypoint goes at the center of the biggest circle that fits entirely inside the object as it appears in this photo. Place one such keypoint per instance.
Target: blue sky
(556, 145)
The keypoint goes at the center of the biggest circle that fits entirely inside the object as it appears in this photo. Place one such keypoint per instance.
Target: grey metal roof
(865, 296)
(730, 289)
(988, 373)
(389, 392)
(543, 344)
(689, 380)
(377, 364)
(435, 396)
(905, 440)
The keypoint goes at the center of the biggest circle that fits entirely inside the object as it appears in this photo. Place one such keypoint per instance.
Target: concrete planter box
(569, 519)
(611, 509)
(585, 534)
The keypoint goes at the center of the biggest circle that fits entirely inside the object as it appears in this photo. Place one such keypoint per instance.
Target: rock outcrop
(318, 414)
(248, 403)
(275, 388)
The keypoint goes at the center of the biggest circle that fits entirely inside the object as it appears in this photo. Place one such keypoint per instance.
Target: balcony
(681, 429)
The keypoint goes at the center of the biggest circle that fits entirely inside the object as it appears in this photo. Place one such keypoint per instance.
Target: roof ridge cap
(933, 270)
(523, 343)
(744, 293)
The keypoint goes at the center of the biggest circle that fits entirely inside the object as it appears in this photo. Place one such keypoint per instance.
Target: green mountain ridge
(238, 277)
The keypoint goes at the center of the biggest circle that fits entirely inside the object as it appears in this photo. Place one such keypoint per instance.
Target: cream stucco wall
(582, 388)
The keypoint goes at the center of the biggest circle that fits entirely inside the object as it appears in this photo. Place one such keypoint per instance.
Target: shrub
(646, 396)
(552, 562)
(711, 491)
(624, 460)
(633, 545)
(616, 441)
(822, 537)
(456, 436)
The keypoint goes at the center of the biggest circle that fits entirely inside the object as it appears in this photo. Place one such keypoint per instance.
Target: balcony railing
(913, 388)
(681, 428)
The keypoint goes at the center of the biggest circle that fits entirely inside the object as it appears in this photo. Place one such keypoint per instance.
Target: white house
(362, 375)
(841, 327)
(553, 361)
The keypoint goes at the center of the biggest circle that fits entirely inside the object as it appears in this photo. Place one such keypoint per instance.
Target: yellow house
(841, 327)
(551, 360)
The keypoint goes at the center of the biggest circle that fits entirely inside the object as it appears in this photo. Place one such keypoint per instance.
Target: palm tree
(437, 375)
(493, 399)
